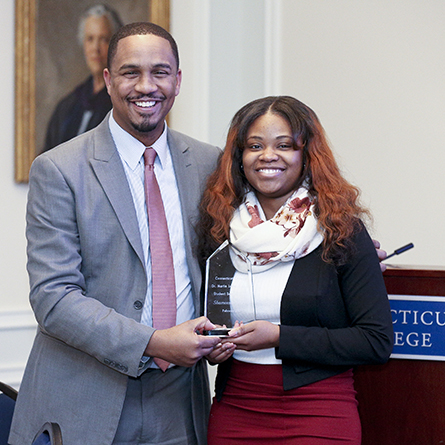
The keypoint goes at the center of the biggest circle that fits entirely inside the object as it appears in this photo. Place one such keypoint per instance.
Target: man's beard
(144, 127)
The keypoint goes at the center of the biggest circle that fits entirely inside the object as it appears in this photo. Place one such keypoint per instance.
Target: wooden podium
(403, 401)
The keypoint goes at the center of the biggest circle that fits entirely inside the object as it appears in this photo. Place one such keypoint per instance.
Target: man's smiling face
(143, 81)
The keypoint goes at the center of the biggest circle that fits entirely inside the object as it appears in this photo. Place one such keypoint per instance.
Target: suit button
(138, 305)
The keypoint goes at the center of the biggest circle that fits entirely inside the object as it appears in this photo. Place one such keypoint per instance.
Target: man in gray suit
(91, 367)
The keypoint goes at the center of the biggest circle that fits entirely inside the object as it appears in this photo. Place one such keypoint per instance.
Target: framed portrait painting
(52, 62)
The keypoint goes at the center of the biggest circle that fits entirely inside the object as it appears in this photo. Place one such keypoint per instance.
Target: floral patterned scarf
(292, 233)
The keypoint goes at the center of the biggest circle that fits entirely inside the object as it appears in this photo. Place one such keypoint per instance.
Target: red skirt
(256, 410)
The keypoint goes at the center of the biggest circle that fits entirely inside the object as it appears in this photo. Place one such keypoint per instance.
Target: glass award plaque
(219, 307)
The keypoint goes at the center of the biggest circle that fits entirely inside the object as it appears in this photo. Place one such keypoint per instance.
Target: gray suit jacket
(88, 280)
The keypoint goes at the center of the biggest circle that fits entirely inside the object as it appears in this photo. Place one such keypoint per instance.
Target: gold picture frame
(26, 108)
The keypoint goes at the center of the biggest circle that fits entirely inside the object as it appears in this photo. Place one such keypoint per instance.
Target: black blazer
(332, 318)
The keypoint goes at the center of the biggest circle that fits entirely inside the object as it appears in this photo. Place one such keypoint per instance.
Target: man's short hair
(141, 28)
(99, 10)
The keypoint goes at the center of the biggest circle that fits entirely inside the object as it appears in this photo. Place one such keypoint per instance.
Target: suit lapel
(187, 178)
(187, 174)
(109, 170)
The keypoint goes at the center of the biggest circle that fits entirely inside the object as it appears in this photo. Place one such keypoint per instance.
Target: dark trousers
(158, 409)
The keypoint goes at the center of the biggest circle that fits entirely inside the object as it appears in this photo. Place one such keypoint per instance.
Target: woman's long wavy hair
(337, 204)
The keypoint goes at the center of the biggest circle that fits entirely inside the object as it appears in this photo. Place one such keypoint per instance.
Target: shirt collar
(131, 150)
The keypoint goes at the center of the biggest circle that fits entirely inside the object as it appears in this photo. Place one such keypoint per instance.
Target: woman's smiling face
(271, 161)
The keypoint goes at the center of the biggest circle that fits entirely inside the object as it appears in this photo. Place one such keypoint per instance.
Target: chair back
(49, 434)
(8, 397)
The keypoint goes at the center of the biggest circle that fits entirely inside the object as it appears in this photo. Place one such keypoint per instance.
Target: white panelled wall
(372, 70)
(17, 330)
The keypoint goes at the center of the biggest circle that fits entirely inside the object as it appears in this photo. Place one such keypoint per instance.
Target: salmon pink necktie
(162, 270)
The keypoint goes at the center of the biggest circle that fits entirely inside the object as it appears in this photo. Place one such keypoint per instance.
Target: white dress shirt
(268, 288)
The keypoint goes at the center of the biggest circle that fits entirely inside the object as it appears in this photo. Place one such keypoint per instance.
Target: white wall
(372, 70)
(17, 325)
(374, 73)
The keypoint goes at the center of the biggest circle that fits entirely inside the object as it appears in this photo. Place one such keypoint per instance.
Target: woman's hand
(221, 353)
(255, 335)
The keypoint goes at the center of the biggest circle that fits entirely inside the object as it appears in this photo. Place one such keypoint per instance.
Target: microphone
(400, 250)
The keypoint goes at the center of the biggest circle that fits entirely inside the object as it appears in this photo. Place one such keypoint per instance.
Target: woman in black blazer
(321, 303)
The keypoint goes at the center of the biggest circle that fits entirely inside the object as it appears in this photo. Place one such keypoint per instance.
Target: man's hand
(182, 345)
(381, 254)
